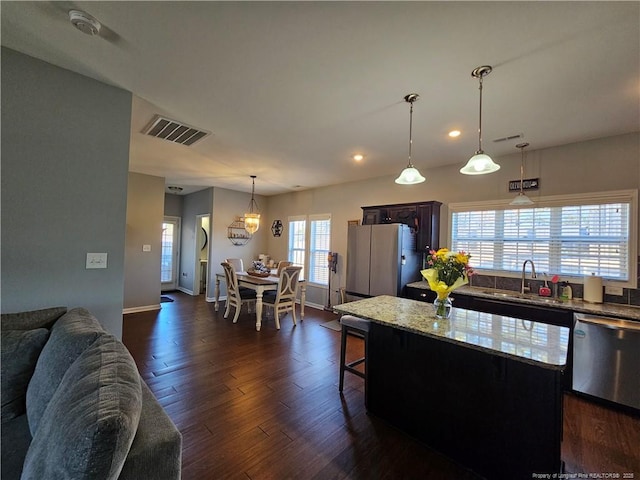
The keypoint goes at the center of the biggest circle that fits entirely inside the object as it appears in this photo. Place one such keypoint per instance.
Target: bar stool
(355, 327)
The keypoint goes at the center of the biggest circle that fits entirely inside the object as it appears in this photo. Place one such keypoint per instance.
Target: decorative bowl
(255, 273)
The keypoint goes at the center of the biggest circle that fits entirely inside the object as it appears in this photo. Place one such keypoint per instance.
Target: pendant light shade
(521, 199)
(480, 163)
(252, 217)
(410, 175)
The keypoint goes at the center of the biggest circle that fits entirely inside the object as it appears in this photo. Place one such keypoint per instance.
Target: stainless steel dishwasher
(606, 358)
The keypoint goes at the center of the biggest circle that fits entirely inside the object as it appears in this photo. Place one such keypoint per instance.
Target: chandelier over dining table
(252, 217)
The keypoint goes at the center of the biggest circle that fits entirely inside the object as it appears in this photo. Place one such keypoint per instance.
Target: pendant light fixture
(521, 199)
(480, 163)
(410, 175)
(252, 217)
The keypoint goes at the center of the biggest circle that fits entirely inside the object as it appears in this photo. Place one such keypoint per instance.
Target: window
(309, 244)
(572, 236)
(297, 242)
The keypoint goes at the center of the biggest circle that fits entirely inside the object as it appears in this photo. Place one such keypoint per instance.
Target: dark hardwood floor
(265, 405)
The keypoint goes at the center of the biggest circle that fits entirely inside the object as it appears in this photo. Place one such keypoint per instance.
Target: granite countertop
(532, 342)
(628, 312)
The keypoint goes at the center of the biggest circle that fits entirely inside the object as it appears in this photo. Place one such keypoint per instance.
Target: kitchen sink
(493, 293)
(535, 298)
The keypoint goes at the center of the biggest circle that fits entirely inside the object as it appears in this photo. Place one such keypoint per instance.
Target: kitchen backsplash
(630, 296)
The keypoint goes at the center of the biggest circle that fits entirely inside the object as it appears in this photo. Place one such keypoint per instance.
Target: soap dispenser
(567, 292)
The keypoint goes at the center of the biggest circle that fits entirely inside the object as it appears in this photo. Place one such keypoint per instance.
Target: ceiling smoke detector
(84, 22)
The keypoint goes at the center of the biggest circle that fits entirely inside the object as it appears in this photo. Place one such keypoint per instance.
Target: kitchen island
(484, 389)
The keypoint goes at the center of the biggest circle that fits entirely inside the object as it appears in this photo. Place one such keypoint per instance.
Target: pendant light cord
(522, 146)
(480, 119)
(410, 130)
(253, 189)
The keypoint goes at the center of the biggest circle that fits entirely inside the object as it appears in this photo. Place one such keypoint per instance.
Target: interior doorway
(202, 246)
(170, 251)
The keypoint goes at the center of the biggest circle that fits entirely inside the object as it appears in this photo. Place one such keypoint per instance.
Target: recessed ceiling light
(454, 133)
(358, 157)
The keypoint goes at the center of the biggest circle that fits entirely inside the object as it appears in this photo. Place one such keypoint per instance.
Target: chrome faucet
(533, 275)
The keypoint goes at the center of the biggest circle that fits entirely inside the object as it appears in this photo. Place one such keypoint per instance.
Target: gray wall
(65, 156)
(194, 204)
(172, 205)
(144, 227)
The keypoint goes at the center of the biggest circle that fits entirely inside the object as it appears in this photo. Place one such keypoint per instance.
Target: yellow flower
(442, 253)
(440, 287)
(462, 258)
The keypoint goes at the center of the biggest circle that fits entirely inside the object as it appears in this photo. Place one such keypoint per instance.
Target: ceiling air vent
(174, 131)
(510, 137)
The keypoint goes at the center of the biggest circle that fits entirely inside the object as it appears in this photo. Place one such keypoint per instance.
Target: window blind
(575, 239)
(320, 243)
(309, 244)
(297, 243)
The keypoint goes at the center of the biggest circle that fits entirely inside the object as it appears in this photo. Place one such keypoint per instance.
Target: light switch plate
(146, 248)
(96, 260)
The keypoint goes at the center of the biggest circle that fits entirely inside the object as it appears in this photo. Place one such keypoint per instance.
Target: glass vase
(443, 307)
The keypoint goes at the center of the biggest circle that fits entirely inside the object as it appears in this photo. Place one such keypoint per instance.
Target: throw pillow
(20, 352)
(88, 427)
(43, 318)
(70, 336)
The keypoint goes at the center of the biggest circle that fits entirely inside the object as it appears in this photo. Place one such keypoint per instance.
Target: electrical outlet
(611, 290)
(146, 248)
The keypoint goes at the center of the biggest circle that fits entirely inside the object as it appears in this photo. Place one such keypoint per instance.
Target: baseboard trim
(144, 308)
(213, 299)
(312, 305)
(184, 290)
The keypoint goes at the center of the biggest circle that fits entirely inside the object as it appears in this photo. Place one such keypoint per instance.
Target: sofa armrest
(156, 452)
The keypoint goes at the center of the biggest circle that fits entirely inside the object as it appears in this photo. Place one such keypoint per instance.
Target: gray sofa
(74, 405)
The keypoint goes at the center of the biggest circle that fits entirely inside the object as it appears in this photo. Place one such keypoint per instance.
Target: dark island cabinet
(422, 217)
(473, 406)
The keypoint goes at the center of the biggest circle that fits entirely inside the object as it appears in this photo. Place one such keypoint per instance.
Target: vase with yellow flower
(447, 271)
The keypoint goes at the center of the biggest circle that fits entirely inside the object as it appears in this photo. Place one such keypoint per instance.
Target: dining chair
(237, 264)
(285, 298)
(282, 264)
(235, 295)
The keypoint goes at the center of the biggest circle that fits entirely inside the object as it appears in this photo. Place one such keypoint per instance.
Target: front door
(170, 251)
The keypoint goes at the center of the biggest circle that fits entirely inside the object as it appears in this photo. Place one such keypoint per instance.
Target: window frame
(307, 267)
(597, 198)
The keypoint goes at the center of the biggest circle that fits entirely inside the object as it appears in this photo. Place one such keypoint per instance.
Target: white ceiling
(291, 90)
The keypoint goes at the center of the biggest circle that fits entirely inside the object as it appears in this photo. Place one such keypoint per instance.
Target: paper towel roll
(593, 289)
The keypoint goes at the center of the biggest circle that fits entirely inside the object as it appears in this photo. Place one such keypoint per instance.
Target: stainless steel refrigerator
(381, 259)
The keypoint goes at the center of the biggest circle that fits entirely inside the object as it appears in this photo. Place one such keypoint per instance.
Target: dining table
(259, 285)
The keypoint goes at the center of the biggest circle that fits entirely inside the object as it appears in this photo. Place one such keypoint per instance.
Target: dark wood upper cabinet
(429, 231)
(422, 217)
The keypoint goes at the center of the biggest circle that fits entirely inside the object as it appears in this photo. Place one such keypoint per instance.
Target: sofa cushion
(88, 427)
(15, 443)
(70, 336)
(20, 351)
(156, 451)
(43, 318)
